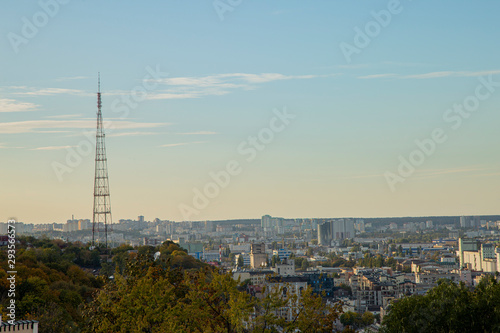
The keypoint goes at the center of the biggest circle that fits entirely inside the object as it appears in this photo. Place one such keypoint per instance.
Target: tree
(274, 260)
(50, 287)
(355, 248)
(393, 248)
(151, 298)
(367, 318)
(352, 319)
(448, 307)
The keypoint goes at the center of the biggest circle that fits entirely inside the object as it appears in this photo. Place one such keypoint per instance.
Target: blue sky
(218, 85)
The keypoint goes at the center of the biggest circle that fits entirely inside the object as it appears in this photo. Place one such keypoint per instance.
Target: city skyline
(287, 109)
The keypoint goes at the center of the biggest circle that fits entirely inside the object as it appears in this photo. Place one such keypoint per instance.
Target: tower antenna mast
(101, 219)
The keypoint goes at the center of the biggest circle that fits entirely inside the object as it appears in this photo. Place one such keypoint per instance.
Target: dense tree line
(69, 288)
(154, 296)
(448, 307)
(50, 282)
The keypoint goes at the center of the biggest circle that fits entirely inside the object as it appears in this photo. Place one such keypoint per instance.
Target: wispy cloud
(363, 176)
(433, 75)
(11, 105)
(173, 87)
(70, 78)
(377, 76)
(176, 96)
(405, 64)
(181, 144)
(3, 146)
(49, 92)
(216, 85)
(52, 131)
(491, 174)
(198, 133)
(63, 116)
(175, 144)
(33, 126)
(131, 134)
(53, 148)
(428, 173)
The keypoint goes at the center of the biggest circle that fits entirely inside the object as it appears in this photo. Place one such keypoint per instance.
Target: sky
(236, 109)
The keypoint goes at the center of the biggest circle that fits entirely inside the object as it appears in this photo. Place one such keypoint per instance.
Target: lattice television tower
(101, 221)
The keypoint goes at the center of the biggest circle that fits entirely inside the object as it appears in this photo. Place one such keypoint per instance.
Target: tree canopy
(152, 297)
(448, 307)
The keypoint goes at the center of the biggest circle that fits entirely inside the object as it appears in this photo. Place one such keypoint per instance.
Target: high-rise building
(84, 224)
(470, 221)
(324, 234)
(265, 222)
(466, 245)
(342, 229)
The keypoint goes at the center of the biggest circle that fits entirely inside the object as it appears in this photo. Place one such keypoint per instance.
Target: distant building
(282, 254)
(84, 224)
(470, 221)
(342, 229)
(478, 257)
(258, 256)
(21, 326)
(287, 286)
(321, 284)
(372, 287)
(211, 256)
(70, 226)
(285, 268)
(244, 256)
(465, 244)
(336, 230)
(192, 248)
(266, 222)
(324, 234)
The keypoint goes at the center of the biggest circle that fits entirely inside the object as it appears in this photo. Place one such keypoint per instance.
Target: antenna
(101, 220)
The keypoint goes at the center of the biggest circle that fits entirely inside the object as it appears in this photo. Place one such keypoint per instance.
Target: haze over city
(331, 110)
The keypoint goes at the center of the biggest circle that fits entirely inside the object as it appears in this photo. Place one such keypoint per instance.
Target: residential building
(258, 256)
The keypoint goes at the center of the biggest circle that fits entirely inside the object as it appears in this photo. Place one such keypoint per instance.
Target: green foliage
(174, 293)
(337, 261)
(355, 248)
(373, 261)
(356, 320)
(275, 259)
(50, 287)
(367, 318)
(448, 308)
(152, 298)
